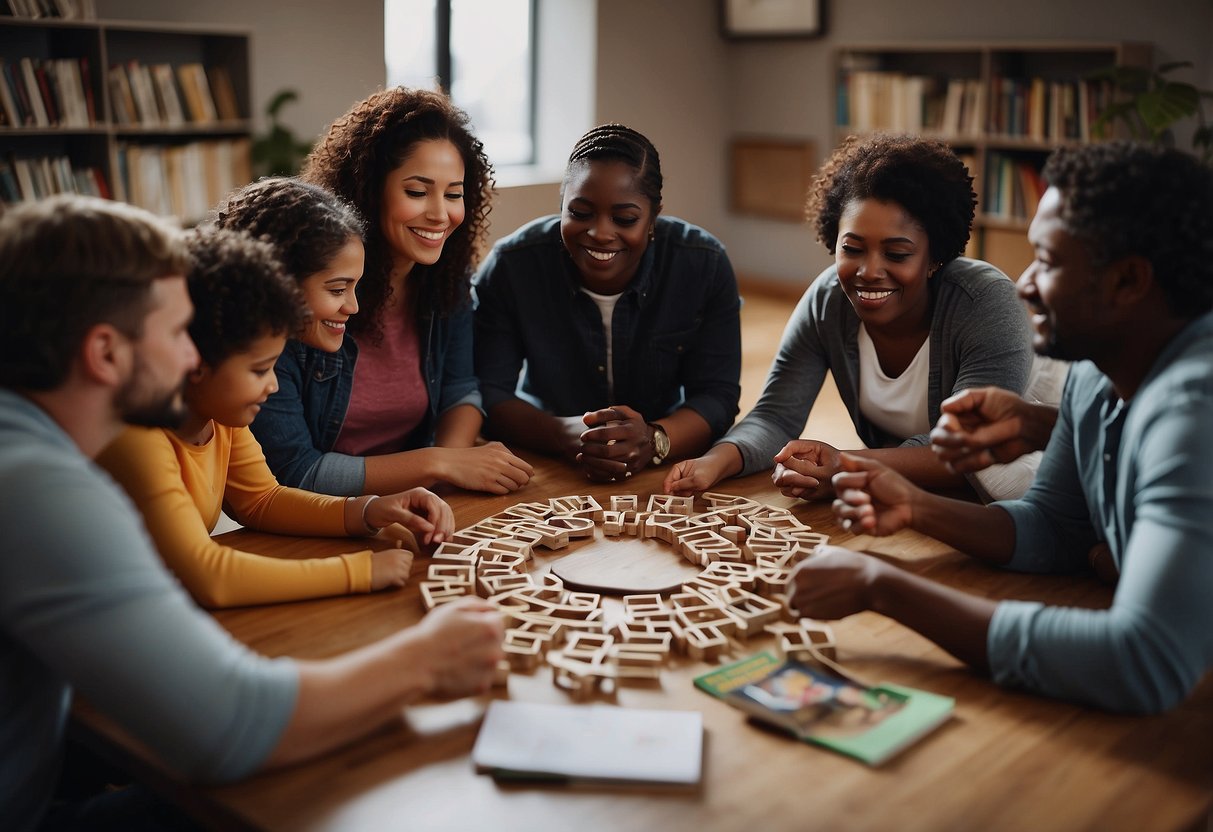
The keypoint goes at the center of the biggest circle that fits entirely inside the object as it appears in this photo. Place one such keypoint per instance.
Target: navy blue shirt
(675, 332)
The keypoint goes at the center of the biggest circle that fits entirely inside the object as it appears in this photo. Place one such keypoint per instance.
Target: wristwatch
(661, 443)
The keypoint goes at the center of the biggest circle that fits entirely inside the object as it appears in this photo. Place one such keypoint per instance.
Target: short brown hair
(68, 263)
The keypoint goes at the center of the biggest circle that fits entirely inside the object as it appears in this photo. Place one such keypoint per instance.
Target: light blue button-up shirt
(1138, 475)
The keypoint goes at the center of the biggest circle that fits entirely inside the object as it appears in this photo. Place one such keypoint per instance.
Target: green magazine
(822, 707)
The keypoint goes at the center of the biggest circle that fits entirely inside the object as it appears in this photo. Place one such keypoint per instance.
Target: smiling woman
(626, 322)
(901, 320)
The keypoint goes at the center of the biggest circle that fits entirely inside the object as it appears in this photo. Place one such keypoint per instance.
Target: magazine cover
(823, 707)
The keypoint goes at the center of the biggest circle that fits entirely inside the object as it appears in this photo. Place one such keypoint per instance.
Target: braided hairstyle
(1123, 199)
(923, 176)
(240, 293)
(354, 159)
(617, 142)
(307, 224)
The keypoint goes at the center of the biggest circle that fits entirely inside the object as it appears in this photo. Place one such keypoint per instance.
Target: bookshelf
(1003, 107)
(156, 115)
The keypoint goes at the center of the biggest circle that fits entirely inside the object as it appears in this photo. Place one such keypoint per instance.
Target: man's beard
(137, 406)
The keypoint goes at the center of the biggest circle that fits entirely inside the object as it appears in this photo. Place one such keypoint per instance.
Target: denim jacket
(298, 426)
(676, 331)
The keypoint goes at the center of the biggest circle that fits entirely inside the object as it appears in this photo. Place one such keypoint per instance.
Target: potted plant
(277, 152)
(1151, 103)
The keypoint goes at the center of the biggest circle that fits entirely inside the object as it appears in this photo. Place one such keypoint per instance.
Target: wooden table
(1007, 760)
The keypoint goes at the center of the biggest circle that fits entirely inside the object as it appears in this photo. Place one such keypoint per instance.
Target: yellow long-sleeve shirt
(180, 488)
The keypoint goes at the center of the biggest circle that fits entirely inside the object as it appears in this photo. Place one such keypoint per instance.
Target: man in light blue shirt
(93, 315)
(1122, 284)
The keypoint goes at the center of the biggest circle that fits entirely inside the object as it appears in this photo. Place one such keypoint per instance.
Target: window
(483, 52)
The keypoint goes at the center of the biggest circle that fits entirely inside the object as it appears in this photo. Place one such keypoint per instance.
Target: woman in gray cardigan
(901, 320)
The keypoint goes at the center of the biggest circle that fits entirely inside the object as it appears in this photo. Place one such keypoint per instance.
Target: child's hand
(420, 511)
(390, 568)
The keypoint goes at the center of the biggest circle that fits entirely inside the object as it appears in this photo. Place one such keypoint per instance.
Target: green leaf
(1130, 78)
(278, 101)
(1163, 69)
(1161, 108)
(1120, 110)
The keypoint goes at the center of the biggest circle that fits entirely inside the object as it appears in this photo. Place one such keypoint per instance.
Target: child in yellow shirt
(245, 307)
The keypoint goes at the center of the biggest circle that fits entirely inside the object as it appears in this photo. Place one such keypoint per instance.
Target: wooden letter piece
(624, 502)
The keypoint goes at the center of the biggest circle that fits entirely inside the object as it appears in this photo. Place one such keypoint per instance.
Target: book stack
(1013, 187)
(46, 92)
(876, 100)
(27, 180)
(181, 180)
(161, 95)
(1042, 110)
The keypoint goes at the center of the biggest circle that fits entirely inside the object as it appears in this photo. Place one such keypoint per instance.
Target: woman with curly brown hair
(397, 405)
(901, 319)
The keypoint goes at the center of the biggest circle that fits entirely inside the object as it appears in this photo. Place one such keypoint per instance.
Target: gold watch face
(661, 444)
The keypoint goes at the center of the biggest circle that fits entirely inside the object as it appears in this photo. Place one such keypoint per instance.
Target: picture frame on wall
(770, 178)
(747, 19)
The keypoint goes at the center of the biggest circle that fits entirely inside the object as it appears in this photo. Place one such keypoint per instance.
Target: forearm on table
(918, 464)
(459, 427)
(956, 621)
(984, 532)
(350, 696)
(689, 433)
(517, 422)
(389, 473)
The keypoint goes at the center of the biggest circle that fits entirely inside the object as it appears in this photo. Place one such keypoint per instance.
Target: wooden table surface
(1006, 760)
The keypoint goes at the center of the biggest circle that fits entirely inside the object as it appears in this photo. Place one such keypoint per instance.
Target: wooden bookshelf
(154, 114)
(1003, 106)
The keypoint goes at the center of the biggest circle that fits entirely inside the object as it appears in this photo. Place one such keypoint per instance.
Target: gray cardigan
(979, 336)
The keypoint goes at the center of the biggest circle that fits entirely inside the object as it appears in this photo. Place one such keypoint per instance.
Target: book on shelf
(167, 99)
(146, 108)
(822, 707)
(122, 97)
(590, 744)
(182, 180)
(197, 93)
(61, 9)
(30, 179)
(13, 116)
(34, 93)
(224, 93)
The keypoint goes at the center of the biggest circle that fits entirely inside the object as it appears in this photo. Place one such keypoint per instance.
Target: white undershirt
(898, 406)
(606, 307)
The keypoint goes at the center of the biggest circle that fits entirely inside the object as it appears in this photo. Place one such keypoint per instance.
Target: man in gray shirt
(93, 315)
(1122, 284)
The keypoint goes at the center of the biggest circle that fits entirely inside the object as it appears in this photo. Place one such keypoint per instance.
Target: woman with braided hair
(387, 399)
(627, 322)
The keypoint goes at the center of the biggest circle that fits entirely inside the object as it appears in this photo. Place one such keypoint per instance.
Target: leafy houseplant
(1152, 103)
(277, 152)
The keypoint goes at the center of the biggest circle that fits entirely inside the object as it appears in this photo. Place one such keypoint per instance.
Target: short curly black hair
(240, 293)
(354, 159)
(307, 224)
(1126, 199)
(923, 176)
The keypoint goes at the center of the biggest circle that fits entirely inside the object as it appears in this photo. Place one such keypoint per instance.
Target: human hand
(872, 498)
(570, 429)
(390, 567)
(692, 476)
(462, 646)
(419, 510)
(490, 467)
(804, 467)
(1103, 564)
(986, 425)
(618, 444)
(833, 583)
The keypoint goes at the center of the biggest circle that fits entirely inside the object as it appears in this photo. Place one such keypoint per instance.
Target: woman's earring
(652, 233)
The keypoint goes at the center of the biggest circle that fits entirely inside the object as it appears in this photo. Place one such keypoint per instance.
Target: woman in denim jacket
(397, 404)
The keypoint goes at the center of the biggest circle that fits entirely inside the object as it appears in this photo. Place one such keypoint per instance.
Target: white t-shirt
(897, 406)
(606, 307)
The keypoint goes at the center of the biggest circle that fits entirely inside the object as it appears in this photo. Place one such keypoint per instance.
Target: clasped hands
(617, 444)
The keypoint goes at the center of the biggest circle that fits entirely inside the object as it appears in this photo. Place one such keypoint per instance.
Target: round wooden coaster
(624, 566)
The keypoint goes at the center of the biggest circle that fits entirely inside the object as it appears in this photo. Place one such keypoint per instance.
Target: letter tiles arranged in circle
(745, 549)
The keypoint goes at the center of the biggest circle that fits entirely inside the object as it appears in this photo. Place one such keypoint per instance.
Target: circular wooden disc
(624, 566)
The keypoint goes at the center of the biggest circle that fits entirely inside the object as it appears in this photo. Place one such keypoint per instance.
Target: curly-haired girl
(901, 320)
(245, 306)
(407, 411)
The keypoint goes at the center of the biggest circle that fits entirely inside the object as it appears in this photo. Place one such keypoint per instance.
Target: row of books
(28, 180)
(181, 180)
(1013, 187)
(1032, 108)
(46, 92)
(161, 95)
(1040, 109)
(61, 9)
(871, 100)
